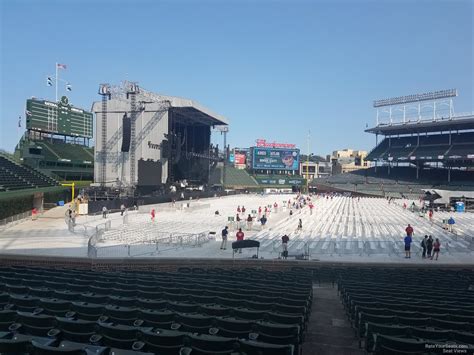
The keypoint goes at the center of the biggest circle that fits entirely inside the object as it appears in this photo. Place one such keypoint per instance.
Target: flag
(28, 113)
(19, 121)
(61, 66)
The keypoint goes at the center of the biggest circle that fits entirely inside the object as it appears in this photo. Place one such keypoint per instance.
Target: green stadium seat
(382, 342)
(253, 347)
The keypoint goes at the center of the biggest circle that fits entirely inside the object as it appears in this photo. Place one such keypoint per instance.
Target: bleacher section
(14, 176)
(72, 152)
(192, 311)
(399, 311)
(428, 147)
(399, 182)
(56, 158)
(239, 178)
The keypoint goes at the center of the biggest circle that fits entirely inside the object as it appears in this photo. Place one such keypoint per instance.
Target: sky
(275, 69)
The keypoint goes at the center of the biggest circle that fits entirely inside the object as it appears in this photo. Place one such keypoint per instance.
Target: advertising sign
(239, 159)
(285, 181)
(275, 159)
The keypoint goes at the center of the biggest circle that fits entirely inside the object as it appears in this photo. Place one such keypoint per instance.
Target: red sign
(262, 143)
(239, 159)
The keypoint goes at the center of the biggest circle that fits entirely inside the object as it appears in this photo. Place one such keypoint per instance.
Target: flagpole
(56, 82)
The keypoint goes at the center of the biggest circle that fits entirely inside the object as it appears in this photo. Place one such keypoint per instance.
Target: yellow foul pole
(72, 192)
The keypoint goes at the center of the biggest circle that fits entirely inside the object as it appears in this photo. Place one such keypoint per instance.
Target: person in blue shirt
(451, 223)
(407, 241)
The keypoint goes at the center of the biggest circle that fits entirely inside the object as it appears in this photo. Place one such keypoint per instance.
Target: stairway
(329, 331)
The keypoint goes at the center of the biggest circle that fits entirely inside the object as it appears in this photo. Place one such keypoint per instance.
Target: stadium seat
(14, 344)
(397, 344)
(159, 319)
(373, 328)
(7, 318)
(87, 311)
(208, 344)
(163, 341)
(69, 349)
(253, 347)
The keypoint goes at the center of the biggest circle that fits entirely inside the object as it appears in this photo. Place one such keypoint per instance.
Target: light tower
(132, 92)
(104, 91)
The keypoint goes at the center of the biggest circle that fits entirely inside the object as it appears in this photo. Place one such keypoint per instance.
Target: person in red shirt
(238, 209)
(409, 230)
(249, 222)
(152, 215)
(275, 207)
(243, 209)
(240, 236)
(311, 208)
(259, 212)
(436, 248)
(430, 215)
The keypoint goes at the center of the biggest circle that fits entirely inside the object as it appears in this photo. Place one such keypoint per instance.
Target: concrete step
(330, 349)
(329, 330)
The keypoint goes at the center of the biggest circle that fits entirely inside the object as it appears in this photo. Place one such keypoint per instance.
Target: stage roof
(185, 109)
(457, 123)
(196, 112)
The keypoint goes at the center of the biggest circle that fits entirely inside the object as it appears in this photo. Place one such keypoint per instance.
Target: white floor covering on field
(339, 229)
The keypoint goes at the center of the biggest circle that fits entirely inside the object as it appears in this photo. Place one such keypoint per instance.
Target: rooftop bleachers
(396, 311)
(193, 311)
(14, 176)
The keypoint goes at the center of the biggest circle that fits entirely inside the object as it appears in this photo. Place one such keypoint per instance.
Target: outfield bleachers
(66, 151)
(192, 311)
(239, 177)
(14, 176)
(404, 311)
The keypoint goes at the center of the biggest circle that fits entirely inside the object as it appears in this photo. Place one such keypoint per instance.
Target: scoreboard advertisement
(58, 118)
(275, 158)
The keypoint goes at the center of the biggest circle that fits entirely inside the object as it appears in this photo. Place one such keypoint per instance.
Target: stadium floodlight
(134, 88)
(428, 96)
(104, 89)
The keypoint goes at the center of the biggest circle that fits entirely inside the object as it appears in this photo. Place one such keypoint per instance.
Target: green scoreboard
(58, 118)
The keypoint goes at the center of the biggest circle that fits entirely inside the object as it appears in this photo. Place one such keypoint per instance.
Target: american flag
(61, 66)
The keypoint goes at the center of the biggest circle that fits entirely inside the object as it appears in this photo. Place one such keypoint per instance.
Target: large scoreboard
(58, 118)
(275, 158)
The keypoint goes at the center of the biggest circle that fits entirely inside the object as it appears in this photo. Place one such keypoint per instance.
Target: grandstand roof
(457, 123)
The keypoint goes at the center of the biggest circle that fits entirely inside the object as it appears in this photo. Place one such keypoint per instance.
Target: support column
(224, 169)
